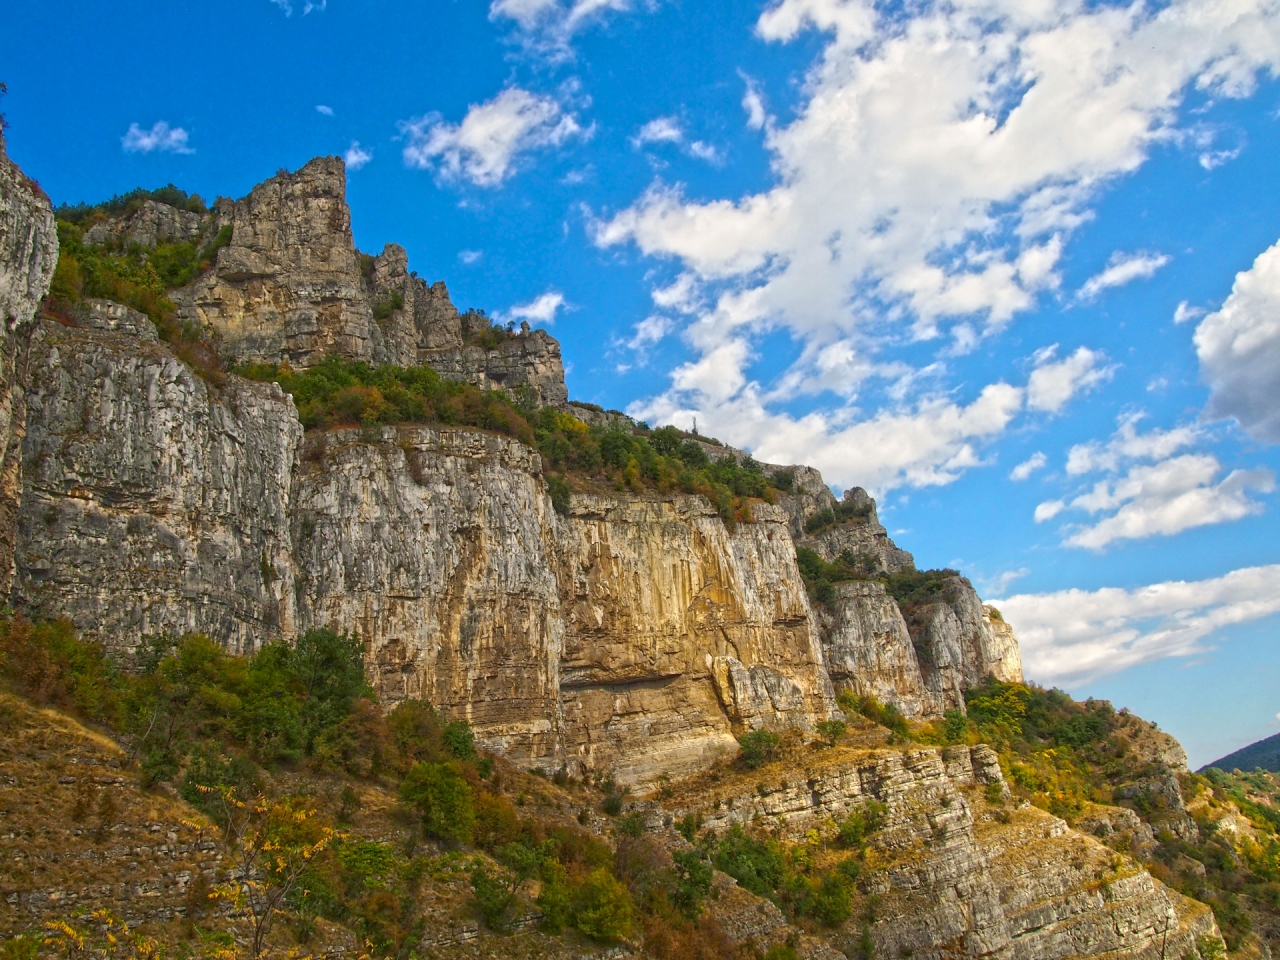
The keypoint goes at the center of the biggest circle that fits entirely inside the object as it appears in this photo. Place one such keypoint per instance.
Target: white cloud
(543, 309)
(1154, 490)
(470, 256)
(1126, 444)
(939, 159)
(321, 108)
(1186, 312)
(356, 156)
(1123, 268)
(753, 104)
(160, 137)
(1048, 510)
(1166, 498)
(307, 7)
(485, 146)
(1239, 350)
(668, 130)
(649, 331)
(1075, 636)
(547, 27)
(658, 130)
(1029, 466)
(1054, 382)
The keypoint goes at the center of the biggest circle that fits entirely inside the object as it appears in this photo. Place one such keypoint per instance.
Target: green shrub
(693, 876)
(856, 828)
(757, 865)
(758, 748)
(442, 798)
(832, 730)
(602, 907)
(460, 740)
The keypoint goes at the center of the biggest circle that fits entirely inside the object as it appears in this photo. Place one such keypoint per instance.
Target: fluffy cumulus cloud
(1239, 349)
(485, 147)
(940, 158)
(1053, 382)
(1075, 636)
(547, 27)
(1028, 466)
(1151, 489)
(160, 138)
(1121, 269)
(542, 309)
(356, 156)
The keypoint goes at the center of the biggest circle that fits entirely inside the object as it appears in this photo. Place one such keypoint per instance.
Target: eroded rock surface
(152, 501)
(28, 255)
(955, 874)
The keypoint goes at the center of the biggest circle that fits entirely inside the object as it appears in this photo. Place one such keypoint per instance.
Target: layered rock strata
(290, 287)
(28, 255)
(953, 874)
(632, 635)
(153, 503)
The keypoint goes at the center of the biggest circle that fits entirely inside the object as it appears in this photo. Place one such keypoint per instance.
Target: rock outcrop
(28, 255)
(149, 226)
(153, 503)
(290, 287)
(955, 871)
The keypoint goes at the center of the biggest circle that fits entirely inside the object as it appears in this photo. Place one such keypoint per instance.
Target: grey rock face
(291, 287)
(868, 649)
(961, 644)
(28, 256)
(151, 225)
(153, 503)
(954, 880)
(861, 537)
(108, 315)
(438, 548)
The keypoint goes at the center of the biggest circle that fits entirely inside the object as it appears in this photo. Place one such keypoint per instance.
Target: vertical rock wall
(28, 255)
(153, 502)
(438, 548)
(677, 631)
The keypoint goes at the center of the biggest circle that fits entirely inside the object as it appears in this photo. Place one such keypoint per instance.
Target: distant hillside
(1264, 754)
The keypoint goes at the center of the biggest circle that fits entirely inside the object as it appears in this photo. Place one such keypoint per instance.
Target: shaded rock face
(677, 631)
(953, 879)
(28, 255)
(149, 226)
(153, 503)
(960, 644)
(868, 649)
(291, 287)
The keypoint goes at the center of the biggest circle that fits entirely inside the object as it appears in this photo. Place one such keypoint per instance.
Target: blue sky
(1011, 266)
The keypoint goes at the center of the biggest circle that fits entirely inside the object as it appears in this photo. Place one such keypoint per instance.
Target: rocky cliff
(632, 633)
(957, 869)
(290, 287)
(28, 255)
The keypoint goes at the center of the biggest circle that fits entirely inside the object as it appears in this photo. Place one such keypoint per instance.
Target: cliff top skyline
(981, 262)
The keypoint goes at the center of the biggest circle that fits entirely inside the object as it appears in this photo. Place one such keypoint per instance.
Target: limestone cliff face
(953, 875)
(153, 502)
(438, 548)
(677, 631)
(868, 650)
(633, 636)
(28, 255)
(291, 287)
(961, 644)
